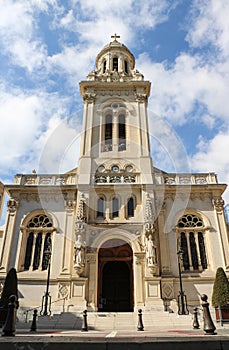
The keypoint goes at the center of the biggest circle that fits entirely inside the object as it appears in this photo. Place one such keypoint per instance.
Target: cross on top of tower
(115, 36)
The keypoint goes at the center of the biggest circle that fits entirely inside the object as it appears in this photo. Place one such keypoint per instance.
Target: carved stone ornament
(140, 97)
(82, 209)
(218, 204)
(79, 255)
(12, 205)
(149, 214)
(63, 290)
(70, 205)
(89, 97)
(151, 250)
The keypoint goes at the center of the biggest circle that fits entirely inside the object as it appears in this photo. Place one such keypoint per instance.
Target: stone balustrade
(45, 180)
(187, 179)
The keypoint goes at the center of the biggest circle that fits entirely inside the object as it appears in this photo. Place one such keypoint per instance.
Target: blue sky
(48, 46)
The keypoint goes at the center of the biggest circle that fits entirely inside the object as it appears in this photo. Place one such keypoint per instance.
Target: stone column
(139, 261)
(9, 233)
(93, 281)
(68, 238)
(219, 209)
(164, 244)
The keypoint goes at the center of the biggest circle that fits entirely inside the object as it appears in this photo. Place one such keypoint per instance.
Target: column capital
(12, 205)
(218, 204)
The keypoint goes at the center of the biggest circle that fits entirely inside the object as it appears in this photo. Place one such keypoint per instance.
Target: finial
(115, 36)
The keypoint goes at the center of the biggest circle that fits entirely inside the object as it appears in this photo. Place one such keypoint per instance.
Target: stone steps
(111, 321)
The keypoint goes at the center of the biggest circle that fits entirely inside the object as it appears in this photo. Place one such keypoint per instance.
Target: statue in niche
(151, 254)
(79, 252)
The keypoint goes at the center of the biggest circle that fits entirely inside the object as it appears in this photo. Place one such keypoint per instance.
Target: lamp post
(46, 299)
(182, 299)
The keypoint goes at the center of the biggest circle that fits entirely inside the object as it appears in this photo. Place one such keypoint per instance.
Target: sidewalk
(166, 339)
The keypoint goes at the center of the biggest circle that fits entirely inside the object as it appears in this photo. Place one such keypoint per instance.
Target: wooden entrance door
(115, 277)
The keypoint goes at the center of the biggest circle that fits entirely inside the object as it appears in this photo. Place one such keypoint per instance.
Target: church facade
(109, 231)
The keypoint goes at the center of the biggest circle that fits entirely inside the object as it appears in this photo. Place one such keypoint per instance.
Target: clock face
(101, 169)
(115, 168)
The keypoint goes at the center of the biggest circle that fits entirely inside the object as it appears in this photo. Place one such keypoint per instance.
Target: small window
(28, 254)
(100, 208)
(115, 63)
(122, 132)
(104, 66)
(37, 253)
(126, 67)
(108, 132)
(115, 207)
(130, 207)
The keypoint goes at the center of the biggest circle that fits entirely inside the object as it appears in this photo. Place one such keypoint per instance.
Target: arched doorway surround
(115, 287)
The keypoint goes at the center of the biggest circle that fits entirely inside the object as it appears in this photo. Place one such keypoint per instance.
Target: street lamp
(182, 299)
(46, 299)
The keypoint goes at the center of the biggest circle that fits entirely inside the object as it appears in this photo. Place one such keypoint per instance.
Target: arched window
(130, 207)
(121, 133)
(104, 66)
(115, 207)
(126, 67)
(28, 253)
(191, 242)
(38, 232)
(100, 207)
(108, 133)
(115, 63)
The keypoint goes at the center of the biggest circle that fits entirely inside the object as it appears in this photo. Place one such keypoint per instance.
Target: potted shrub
(9, 288)
(220, 296)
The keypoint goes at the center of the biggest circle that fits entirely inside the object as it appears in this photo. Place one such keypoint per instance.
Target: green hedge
(220, 295)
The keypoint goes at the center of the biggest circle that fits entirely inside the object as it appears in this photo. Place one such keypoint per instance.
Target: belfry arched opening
(115, 288)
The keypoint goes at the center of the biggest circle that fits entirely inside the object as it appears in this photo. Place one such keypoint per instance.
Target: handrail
(34, 308)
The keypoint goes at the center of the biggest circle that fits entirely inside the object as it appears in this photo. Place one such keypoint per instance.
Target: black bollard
(140, 323)
(84, 325)
(8, 329)
(33, 327)
(195, 324)
(209, 326)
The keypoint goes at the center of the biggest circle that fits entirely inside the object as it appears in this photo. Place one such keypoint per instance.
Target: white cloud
(209, 24)
(177, 88)
(17, 32)
(213, 156)
(26, 124)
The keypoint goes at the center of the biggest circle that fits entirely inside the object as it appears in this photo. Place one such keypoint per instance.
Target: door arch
(115, 287)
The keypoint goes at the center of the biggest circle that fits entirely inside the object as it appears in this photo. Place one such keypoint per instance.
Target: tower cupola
(115, 62)
(115, 57)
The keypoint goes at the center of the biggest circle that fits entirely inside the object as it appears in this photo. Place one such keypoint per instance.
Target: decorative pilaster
(93, 280)
(164, 243)
(67, 244)
(218, 204)
(139, 261)
(12, 206)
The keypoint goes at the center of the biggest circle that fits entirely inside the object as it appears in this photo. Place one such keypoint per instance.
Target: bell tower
(115, 125)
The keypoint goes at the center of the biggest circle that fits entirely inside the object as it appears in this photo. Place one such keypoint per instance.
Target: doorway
(115, 277)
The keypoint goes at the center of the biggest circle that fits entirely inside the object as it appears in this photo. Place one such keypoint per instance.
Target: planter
(224, 314)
